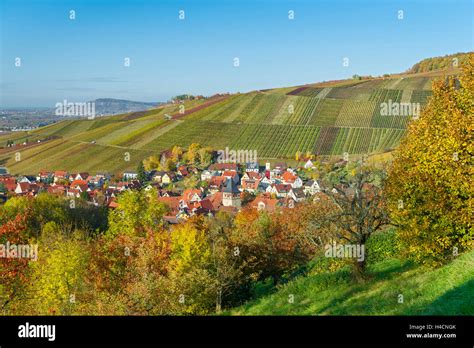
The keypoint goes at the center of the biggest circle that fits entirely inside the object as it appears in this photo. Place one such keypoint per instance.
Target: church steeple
(231, 195)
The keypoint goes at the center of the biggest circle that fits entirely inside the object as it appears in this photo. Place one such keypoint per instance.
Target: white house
(309, 164)
(312, 187)
(280, 190)
(297, 194)
(290, 178)
(252, 167)
(207, 175)
(130, 175)
(265, 182)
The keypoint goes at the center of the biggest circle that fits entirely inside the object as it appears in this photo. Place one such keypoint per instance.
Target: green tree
(137, 212)
(430, 185)
(359, 207)
(142, 177)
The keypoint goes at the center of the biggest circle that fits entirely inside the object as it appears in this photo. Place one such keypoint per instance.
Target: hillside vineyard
(332, 119)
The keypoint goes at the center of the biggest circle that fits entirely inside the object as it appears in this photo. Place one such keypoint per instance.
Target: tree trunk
(219, 301)
(360, 269)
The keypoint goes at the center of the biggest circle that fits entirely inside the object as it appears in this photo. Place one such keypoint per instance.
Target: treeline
(438, 63)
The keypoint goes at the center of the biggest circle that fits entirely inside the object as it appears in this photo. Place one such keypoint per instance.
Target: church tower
(231, 195)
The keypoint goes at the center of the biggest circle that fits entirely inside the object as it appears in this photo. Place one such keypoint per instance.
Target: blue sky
(83, 59)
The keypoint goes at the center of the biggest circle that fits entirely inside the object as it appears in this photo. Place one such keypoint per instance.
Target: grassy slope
(328, 118)
(444, 291)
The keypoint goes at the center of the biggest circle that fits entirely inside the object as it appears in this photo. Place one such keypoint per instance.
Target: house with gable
(297, 194)
(280, 190)
(250, 182)
(60, 175)
(206, 174)
(168, 178)
(291, 179)
(81, 176)
(311, 187)
(44, 176)
(265, 202)
(309, 164)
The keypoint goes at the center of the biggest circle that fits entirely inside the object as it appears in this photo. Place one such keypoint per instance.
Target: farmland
(329, 119)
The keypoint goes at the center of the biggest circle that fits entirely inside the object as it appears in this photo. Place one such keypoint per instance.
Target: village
(219, 187)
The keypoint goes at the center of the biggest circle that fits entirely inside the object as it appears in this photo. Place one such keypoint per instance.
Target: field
(330, 119)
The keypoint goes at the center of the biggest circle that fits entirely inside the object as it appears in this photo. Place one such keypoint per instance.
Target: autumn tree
(128, 274)
(151, 163)
(205, 157)
(136, 211)
(14, 271)
(298, 156)
(57, 278)
(192, 155)
(271, 244)
(430, 183)
(190, 257)
(359, 206)
(226, 266)
(177, 153)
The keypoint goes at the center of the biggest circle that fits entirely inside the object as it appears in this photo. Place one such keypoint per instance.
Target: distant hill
(448, 61)
(110, 106)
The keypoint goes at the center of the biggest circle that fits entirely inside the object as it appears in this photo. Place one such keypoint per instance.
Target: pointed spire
(231, 187)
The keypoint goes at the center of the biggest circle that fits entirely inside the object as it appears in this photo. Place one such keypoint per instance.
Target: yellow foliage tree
(430, 183)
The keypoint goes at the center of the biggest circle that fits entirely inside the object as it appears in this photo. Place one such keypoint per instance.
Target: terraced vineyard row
(310, 92)
(381, 121)
(303, 111)
(251, 108)
(279, 141)
(384, 95)
(216, 111)
(420, 96)
(355, 113)
(290, 140)
(326, 112)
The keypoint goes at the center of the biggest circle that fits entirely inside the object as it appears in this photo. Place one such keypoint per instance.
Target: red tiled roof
(283, 187)
(270, 203)
(60, 173)
(216, 200)
(289, 177)
(223, 166)
(188, 193)
(79, 182)
(253, 175)
(172, 202)
(229, 173)
(217, 181)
